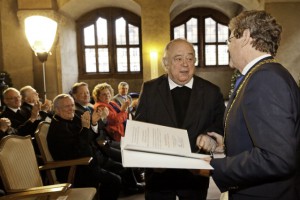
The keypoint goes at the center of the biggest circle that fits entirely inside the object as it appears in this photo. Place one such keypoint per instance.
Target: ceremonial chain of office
(240, 88)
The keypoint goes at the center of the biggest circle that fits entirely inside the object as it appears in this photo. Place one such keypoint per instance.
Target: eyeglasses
(229, 40)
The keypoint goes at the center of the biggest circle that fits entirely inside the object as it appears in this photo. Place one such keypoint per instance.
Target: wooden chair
(21, 175)
(41, 139)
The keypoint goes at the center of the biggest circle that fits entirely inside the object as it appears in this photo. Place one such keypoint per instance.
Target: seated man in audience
(24, 124)
(123, 96)
(29, 98)
(70, 136)
(81, 94)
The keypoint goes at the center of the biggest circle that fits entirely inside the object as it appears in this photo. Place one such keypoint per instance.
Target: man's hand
(125, 105)
(46, 107)
(35, 111)
(4, 124)
(134, 103)
(206, 143)
(96, 116)
(219, 138)
(86, 119)
(212, 142)
(103, 111)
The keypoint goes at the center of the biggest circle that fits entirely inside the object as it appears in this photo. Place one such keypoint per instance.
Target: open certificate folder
(148, 145)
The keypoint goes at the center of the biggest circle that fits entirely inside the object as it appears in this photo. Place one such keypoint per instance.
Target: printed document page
(150, 145)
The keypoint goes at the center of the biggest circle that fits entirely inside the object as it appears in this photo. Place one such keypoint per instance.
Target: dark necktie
(87, 109)
(18, 112)
(238, 81)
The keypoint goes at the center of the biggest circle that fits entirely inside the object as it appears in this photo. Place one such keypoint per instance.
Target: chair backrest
(18, 164)
(41, 139)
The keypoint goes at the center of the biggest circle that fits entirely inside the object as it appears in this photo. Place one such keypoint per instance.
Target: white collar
(173, 85)
(250, 64)
(14, 109)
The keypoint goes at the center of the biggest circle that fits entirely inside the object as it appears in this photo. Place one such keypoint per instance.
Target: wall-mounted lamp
(40, 32)
(154, 64)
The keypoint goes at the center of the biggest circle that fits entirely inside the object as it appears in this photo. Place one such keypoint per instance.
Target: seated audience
(70, 136)
(116, 120)
(81, 95)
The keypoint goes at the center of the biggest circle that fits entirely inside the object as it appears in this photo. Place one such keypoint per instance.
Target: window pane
(210, 30)
(135, 60)
(90, 61)
(210, 54)
(89, 35)
(222, 33)
(192, 30)
(179, 32)
(196, 54)
(223, 55)
(120, 31)
(101, 31)
(122, 60)
(133, 34)
(103, 60)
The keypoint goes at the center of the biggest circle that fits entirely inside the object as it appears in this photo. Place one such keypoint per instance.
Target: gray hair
(58, 99)
(169, 46)
(122, 84)
(23, 90)
(10, 89)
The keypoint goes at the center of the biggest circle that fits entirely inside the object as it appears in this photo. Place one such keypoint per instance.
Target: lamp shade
(40, 32)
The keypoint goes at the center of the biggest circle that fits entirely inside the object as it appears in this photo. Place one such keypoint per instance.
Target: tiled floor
(213, 193)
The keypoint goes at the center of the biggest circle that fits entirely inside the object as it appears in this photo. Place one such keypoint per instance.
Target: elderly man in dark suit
(25, 124)
(81, 94)
(262, 120)
(182, 100)
(70, 136)
(29, 98)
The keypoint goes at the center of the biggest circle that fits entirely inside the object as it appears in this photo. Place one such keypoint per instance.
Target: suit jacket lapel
(165, 95)
(229, 104)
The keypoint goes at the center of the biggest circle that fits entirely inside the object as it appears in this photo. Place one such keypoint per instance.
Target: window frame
(201, 14)
(110, 14)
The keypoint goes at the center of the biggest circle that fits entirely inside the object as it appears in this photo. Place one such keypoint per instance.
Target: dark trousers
(175, 182)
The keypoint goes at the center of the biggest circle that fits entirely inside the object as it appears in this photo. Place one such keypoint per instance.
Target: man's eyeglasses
(229, 40)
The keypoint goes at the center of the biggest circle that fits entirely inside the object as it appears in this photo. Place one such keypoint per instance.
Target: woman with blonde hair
(116, 119)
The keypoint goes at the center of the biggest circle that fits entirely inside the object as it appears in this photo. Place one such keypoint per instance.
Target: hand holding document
(153, 146)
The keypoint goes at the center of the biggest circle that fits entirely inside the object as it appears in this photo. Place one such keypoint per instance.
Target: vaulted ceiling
(75, 8)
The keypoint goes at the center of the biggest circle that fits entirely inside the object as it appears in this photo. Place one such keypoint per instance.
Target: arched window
(109, 44)
(207, 30)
